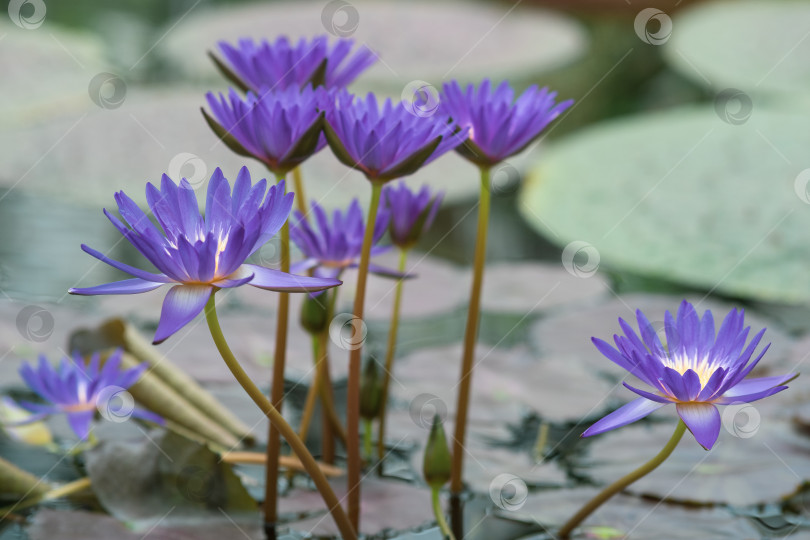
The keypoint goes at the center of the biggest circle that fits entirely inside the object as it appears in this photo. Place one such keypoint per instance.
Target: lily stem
(389, 358)
(470, 335)
(439, 513)
(622, 483)
(280, 424)
(300, 196)
(277, 388)
(354, 462)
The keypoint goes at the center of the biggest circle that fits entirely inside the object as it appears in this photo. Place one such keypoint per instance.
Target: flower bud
(370, 391)
(314, 313)
(436, 466)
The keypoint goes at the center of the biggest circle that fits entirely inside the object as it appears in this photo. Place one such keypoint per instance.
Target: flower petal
(181, 305)
(703, 420)
(137, 272)
(748, 398)
(80, 422)
(127, 286)
(627, 414)
(752, 386)
(275, 280)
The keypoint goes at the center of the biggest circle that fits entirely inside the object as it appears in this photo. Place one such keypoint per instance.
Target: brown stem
(355, 357)
(470, 336)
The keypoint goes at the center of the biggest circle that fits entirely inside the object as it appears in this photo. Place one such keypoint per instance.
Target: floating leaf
(687, 197)
(165, 478)
(755, 460)
(751, 45)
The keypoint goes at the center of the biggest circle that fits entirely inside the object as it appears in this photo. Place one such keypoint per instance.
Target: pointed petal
(80, 422)
(127, 286)
(752, 386)
(648, 395)
(149, 416)
(627, 414)
(703, 420)
(275, 280)
(181, 305)
(748, 398)
(131, 270)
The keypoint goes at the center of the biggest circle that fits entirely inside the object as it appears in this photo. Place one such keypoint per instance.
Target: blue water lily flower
(280, 128)
(329, 247)
(696, 370)
(253, 65)
(412, 212)
(499, 126)
(79, 390)
(389, 141)
(197, 254)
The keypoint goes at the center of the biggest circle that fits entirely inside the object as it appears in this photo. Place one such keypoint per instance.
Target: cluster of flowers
(293, 103)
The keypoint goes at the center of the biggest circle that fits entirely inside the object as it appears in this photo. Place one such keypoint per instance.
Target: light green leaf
(685, 196)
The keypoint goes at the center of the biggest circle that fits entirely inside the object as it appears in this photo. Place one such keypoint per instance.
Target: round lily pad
(416, 41)
(686, 196)
(626, 517)
(526, 288)
(758, 47)
(759, 465)
(506, 383)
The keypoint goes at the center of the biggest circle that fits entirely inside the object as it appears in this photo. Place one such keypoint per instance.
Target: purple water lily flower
(412, 212)
(498, 127)
(331, 247)
(253, 65)
(78, 390)
(281, 129)
(697, 370)
(197, 254)
(386, 142)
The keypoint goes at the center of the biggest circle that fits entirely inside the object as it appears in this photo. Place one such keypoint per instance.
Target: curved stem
(437, 511)
(281, 425)
(300, 196)
(389, 358)
(623, 482)
(353, 401)
(277, 388)
(470, 335)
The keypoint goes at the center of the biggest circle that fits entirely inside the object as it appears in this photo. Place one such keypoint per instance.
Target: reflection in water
(40, 253)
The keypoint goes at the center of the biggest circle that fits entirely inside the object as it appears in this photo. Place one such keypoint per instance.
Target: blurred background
(684, 150)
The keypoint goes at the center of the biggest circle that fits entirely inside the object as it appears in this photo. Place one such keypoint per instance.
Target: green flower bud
(370, 390)
(436, 466)
(314, 313)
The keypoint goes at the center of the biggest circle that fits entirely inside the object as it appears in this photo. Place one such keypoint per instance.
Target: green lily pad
(759, 47)
(166, 479)
(683, 196)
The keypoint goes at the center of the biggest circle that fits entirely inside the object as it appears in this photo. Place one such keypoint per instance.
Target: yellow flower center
(701, 366)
